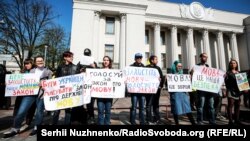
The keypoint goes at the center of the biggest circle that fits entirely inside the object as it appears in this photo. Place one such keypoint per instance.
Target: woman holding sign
(104, 104)
(233, 92)
(43, 73)
(179, 100)
(28, 65)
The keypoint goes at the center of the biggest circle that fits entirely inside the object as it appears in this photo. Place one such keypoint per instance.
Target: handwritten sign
(142, 80)
(106, 83)
(22, 84)
(179, 83)
(86, 60)
(207, 79)
(242, 81)
(66, 92)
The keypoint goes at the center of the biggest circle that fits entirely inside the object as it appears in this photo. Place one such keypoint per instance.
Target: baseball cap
(87, 52)
(138, 55)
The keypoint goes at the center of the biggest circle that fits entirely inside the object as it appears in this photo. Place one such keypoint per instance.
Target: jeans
(25, 105)
(134, 99)
(152, 101)
(66, 118)
(217, 104)
(30, 113)
(202, 96)
(90, 108)
(104, 107)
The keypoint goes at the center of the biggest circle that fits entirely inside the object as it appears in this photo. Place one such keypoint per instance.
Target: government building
(171, 31)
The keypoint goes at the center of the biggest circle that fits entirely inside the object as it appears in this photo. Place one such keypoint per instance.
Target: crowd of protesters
(207, 104)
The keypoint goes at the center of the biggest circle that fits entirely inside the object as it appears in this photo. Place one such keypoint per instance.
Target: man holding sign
(136, 97)
(65, 69)
(153, 99)
(203, 95)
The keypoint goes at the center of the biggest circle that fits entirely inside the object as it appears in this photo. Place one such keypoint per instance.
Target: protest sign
(86, 60)
(106, 83)
(207, 79)
(22, 84)
(242, 81)
(179, 83)
(141, 80)
(66, 92)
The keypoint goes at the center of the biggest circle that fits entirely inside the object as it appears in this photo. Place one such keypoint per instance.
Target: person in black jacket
(90, 107)
(136, 97)
(3, 72)
(153, 99)
(65, 69)
(233, 93)
(204, 96)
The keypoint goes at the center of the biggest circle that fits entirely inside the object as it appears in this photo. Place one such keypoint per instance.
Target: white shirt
(39, 72)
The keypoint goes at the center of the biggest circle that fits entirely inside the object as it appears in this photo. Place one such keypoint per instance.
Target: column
(184, 49)
(234, 48)
(221, 51)
(123, 42)
(206, 49)
(190, 48)
(157, 42)
(96, 35)
(173, 47)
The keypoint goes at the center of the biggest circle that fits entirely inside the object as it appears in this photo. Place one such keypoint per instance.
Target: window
(110, 25)
(180, 58)
(163, 60)
(109, 51)
(163, 38)
(146, 37)
(179, 39)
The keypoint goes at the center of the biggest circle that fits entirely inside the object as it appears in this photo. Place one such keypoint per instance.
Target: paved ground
(120, 116)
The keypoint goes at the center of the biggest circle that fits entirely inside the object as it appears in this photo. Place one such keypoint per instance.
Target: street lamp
(45, 54)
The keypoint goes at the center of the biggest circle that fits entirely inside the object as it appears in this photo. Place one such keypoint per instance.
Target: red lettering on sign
(210, 72)
(101, 89)
(23, 92)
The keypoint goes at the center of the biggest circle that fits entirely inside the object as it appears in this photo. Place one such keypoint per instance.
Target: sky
(64, 8)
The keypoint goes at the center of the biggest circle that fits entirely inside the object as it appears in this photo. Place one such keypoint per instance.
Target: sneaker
(24, 127)
(11, 133)
(220, 117)
(33, 132)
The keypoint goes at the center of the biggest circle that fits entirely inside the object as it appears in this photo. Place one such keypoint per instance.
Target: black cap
(87, 52)
(138, 55)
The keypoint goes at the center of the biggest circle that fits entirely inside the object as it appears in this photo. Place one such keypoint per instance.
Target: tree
(55, 39)
(25, 22)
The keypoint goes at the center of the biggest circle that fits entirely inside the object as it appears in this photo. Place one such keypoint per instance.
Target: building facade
(171, 31)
